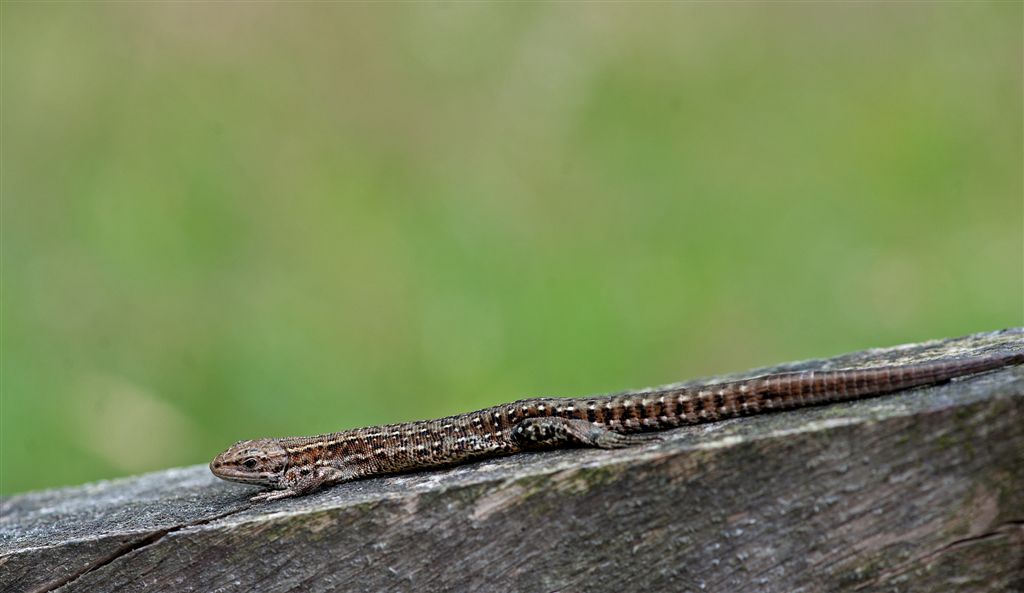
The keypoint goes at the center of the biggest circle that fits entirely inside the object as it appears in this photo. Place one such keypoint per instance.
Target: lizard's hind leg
(547, 433)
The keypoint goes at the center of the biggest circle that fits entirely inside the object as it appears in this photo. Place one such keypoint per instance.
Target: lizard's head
(261, 461)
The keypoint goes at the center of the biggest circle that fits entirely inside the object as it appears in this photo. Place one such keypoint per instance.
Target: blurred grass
(235, 220)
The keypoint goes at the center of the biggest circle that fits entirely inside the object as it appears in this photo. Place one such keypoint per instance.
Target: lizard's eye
(250, 463)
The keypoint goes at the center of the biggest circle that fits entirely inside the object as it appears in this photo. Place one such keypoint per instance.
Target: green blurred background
(236, 220)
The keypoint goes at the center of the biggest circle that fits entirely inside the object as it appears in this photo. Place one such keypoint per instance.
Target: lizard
(296, 466)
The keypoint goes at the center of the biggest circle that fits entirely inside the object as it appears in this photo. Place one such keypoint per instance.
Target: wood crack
(128, 548)
(1002, 529)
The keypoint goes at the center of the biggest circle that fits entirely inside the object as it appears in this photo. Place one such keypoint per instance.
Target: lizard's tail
(808, 388)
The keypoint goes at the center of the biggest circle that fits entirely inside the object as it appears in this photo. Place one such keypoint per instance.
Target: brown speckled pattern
(302, 464)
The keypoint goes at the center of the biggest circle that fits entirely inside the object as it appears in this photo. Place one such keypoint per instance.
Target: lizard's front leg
(553, 432)
(302, 480)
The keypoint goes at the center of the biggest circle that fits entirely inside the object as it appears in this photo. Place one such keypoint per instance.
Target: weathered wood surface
(919, 491)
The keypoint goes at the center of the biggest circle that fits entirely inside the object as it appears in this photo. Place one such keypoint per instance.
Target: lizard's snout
(217, 464)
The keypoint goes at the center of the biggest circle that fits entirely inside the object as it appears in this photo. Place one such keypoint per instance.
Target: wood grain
(918, 491)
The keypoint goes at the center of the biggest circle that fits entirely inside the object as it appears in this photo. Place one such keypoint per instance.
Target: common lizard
(296, 466)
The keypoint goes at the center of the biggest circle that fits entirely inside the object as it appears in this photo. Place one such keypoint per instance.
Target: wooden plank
(918, 491)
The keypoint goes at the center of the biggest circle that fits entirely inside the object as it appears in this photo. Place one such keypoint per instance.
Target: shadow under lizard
(297, 466)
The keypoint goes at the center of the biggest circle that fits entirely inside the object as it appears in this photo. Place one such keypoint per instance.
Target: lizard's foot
(552, 432)
(615, 440)
(273, 495)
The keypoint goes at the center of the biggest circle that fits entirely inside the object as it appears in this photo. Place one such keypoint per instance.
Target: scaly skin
(299, 465)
